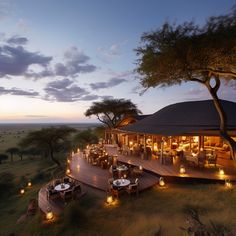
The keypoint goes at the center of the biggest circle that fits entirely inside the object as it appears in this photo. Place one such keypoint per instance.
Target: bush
(74, 216)
(6, 184)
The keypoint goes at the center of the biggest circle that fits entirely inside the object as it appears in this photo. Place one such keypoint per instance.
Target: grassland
(159, 208)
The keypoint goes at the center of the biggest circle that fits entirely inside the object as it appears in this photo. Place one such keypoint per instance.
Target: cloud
(15, 60)
(18, 92)
(17, 40)
(22, 25)
(36, 116)
(64, 91)
(109, 84)
(5, 9)
(75, 62)
(107, 54)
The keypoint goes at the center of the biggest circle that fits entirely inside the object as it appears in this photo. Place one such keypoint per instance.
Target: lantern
(228, 184)
(182, 169)
(78, 150)
(161, 182)
(22, 191)
(109, 199)
(68, 161)
(140, 168)
(29, 184)
(49, 214)
(68, 171)
(221, 171)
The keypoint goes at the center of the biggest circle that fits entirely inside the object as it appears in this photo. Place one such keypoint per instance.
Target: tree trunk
(223, 118)
(53, 158)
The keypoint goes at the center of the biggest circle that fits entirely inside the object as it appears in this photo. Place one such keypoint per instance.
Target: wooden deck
(56, 206)
(172, 170)
(97, 177)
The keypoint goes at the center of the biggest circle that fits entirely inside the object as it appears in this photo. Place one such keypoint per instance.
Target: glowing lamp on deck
(140, 168)
(68, 171)
(125, 176)
(228, 184)
(49, 214)
(182, 170)
(161, 182)
(221, 171)
(68, 161)
(78, 150)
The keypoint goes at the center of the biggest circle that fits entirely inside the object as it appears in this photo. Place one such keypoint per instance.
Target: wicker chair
(132, 189)
(67, 195)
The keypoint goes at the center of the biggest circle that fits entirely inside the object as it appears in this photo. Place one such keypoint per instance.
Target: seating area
(96, 155)
(65, 189)
(201, 159)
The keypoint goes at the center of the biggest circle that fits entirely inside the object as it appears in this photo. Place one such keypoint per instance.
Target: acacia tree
(174, 54)
(111, 111)
(48, 139)
(12, 151)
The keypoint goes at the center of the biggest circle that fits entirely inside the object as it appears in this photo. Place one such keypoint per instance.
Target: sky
(57, 57)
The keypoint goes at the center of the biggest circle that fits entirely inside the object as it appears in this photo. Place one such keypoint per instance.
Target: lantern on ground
(49, 214)
(22, 191)
(109, 199)
(29, 184)
(182, 170)
(68, 171)
(161, 182)
(228, 184)
(221, 171)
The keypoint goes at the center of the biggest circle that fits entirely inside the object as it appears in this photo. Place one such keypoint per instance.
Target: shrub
(6, 184)
(74, 216)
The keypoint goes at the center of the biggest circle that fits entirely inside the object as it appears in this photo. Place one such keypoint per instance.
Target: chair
(213, 159)
(67, 195)
(56, 182)
(52, 194)
(201, 158)
(77, 191)
(115, 193)
(132, 188)
(66, 180)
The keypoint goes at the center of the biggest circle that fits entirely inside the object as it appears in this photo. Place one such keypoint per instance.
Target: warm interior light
(68, 161)
(161, 182)
(22, 191)
(78, 150)
(68, 171)
(182, 170)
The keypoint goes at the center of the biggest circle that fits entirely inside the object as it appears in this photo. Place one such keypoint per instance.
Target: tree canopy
(51, 140)
(174, 54)
(111, 111)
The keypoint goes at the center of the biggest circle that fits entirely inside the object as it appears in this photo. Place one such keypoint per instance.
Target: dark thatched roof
(195, 117)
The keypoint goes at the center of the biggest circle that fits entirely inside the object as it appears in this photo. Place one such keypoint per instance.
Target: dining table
(61, 187)
(121, 182)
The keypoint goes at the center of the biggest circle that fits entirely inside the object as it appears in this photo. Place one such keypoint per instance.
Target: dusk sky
(59, 56)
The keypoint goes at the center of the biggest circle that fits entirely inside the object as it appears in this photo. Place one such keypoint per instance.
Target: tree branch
(217, 72)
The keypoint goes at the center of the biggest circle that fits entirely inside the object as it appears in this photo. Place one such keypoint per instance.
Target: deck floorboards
(172, 170)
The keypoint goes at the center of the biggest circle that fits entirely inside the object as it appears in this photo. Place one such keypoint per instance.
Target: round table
(121, 182)
(122, 168)
(60, 187)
